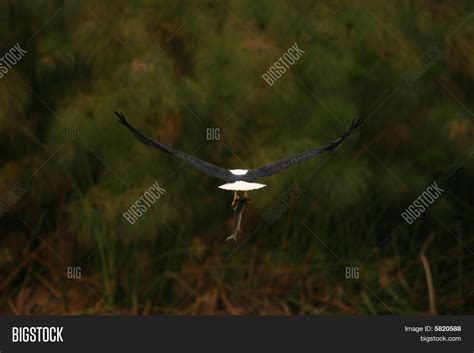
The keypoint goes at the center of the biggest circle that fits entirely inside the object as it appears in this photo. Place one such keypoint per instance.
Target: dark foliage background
(178, 68)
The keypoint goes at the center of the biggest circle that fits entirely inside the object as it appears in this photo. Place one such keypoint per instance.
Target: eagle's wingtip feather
(121, 117)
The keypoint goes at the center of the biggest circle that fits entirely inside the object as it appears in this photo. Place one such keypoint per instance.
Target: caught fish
(240, 205)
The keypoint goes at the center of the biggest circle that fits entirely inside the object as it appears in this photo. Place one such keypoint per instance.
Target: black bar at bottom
(225, 334)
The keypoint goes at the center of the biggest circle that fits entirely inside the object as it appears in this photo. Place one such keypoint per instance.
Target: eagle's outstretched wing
(226, 174)
(206, 167)
(278, 166)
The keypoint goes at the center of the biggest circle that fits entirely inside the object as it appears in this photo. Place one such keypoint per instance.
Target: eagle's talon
(236, 199)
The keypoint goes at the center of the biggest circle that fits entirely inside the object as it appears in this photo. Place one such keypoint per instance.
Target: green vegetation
(179, 68)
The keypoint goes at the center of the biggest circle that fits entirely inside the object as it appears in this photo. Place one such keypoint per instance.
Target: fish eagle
(239, 179)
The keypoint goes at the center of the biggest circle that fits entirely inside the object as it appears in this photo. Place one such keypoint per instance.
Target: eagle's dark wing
(285, 163)
(206, 167)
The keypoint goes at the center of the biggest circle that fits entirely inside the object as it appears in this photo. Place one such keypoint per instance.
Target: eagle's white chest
(241, 185)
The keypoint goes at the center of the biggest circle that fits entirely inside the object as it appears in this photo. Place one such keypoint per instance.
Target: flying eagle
(239, 179)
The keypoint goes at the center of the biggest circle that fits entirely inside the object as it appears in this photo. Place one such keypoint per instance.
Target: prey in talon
(239, 204)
